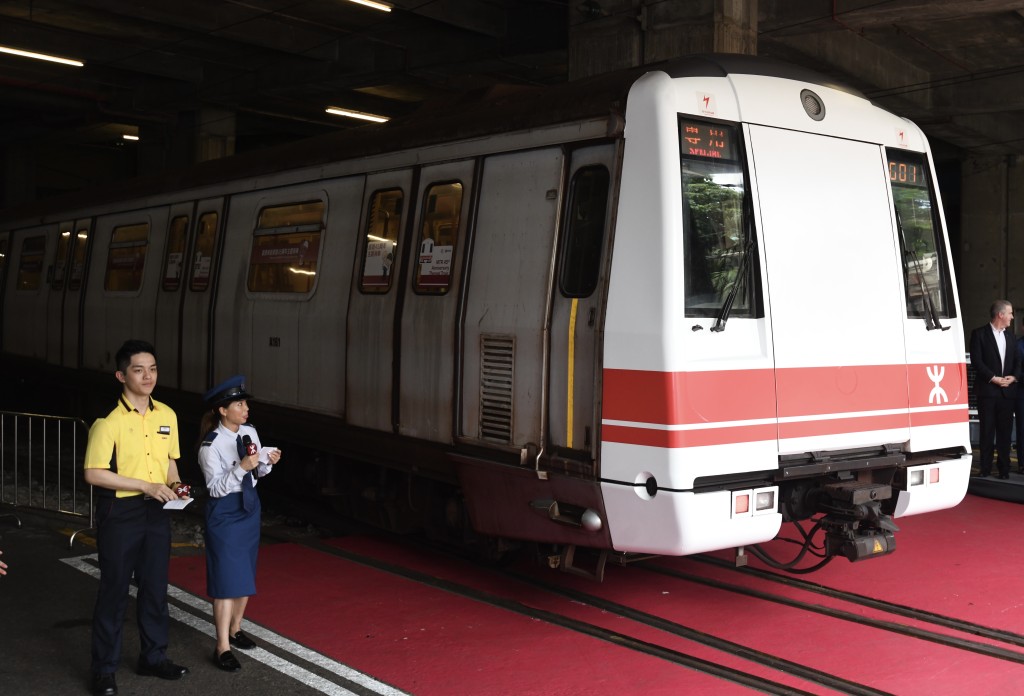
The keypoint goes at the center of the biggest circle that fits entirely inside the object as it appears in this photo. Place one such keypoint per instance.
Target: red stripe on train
(688, 398)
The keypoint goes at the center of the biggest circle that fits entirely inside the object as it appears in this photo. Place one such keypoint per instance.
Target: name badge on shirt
(164, 430)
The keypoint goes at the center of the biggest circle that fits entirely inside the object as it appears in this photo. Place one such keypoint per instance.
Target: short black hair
(131, 348)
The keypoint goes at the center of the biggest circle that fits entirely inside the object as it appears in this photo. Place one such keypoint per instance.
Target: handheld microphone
(250, 446)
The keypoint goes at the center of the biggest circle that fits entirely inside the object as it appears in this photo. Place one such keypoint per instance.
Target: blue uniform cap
(232, 389)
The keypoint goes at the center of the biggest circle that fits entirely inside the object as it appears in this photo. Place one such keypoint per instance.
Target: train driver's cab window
(79, 245)
(383, 223)
(60, 263)
(202, 256)
(126, 258)
(585, 221)
(286, 248)
(925, 272)
(174, 259)
(30, 265)
(721, 262)
(439, 233)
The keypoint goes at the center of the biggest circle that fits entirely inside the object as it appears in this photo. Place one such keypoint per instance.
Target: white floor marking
(270, 659)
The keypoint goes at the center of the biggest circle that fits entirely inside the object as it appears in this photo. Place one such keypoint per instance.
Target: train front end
(783, 340)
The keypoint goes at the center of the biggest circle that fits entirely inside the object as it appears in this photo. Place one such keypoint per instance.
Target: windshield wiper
(741, 272)
(931, 318)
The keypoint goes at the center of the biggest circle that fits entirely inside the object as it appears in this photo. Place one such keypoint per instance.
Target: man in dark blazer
(997, 369)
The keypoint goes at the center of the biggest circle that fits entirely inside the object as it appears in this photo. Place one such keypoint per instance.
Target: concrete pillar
(606, 35)
(992, 247)
(215, 136)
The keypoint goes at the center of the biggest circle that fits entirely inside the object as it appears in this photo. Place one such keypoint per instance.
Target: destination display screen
(907, 172)
(707, 140)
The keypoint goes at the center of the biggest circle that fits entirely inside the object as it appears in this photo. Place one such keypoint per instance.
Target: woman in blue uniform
(232, 461)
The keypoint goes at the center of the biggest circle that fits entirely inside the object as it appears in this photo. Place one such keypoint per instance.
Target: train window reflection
(715, 232)
(286, 248)
(126, 257)
(438, 235)
(3, 259)
(585, 220)
(60, 263)
(383, 221)
(30, 265)
(177, 235)
(925, 272)
(79, 245)
(202, 257)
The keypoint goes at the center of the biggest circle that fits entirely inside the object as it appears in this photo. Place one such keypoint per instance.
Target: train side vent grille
(497, 372)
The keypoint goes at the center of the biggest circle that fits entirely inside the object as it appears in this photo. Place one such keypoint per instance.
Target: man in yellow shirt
(130, 458)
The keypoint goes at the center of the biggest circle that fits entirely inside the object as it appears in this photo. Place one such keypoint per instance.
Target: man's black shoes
(164, 670)
(104, 685)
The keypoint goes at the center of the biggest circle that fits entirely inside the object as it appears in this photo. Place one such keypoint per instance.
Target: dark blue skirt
(232, 540)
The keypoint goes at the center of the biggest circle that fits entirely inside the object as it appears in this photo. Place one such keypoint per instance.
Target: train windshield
(925, 274)
(719, 263)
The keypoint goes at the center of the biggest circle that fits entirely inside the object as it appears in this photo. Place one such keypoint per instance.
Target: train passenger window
(286, 248)
(79, 245)
(584, 233)
(126, 257)
(382, 225)
(30, 266)
(718, 243)
(60, 263)
(439, 233)
(177, 237)
(202, 257)
(925, 271)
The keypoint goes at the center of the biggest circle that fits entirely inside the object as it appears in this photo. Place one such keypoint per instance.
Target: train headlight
(764, 500)
(928, 475)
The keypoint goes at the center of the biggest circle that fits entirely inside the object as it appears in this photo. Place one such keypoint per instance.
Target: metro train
(661, 311)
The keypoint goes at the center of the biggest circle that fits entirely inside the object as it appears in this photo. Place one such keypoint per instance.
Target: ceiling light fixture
(337, 111)
(41, 56)
(375, 5)
(126, 136)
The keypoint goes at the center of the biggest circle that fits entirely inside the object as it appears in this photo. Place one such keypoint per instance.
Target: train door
(577, 302)
(197, 300)
(121, 293)
(371, 311)
(507, 298)
(28, 295)
(5, 254)
(937, 382)
(430, 304)
(57, 276)
(174, 265)
(78, 263)
(829, 247)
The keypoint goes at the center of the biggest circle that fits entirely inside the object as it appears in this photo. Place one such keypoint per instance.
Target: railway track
(627, 640)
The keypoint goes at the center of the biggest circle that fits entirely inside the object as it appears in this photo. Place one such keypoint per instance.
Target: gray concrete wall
(992, 250)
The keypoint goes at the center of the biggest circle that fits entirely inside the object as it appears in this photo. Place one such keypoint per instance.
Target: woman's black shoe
(242, 641)
(226, 661)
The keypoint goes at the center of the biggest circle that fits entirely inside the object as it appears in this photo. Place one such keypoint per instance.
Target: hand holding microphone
(252, 453)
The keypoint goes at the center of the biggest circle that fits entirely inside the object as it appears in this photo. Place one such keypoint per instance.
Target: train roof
(502, 109)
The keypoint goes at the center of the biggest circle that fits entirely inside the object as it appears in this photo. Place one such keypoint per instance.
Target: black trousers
(133, 538)
(995, 416)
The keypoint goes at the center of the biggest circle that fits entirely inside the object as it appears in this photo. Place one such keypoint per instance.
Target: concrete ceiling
(160, 67)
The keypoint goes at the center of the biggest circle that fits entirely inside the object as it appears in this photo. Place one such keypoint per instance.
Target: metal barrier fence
(41, 466)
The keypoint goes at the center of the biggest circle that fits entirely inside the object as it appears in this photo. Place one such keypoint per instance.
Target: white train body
(660, 329)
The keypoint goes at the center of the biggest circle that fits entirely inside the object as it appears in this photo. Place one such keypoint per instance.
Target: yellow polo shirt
(134, 445)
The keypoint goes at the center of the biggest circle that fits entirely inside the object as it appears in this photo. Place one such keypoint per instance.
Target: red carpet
(961, 562)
